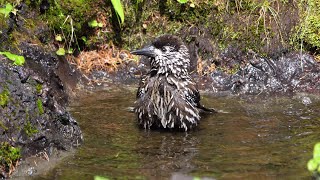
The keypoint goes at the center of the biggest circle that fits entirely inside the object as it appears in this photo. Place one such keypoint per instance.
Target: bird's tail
(207, 110)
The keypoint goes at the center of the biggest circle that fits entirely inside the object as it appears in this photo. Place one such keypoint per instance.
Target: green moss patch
(308, 30)
(9, 157)
(29, 129)
(4, 98)
(38, 88)
(40, 106)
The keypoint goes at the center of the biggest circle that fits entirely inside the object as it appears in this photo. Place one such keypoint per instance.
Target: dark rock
(44, 6)
(35, 116)
(289, 73)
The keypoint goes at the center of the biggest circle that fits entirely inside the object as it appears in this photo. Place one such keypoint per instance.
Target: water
(253, 139)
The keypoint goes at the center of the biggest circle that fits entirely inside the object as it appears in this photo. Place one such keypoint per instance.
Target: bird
(167, 97)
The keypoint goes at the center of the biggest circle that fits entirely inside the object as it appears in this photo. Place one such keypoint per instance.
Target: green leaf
(118, 8)
(317, 160)
(318, 169)
(316, 151)
(312, 165)
(61, 52)
(70, 51)
(6, 11)
(182, 1)
(58, 37)
(93, 23)
(84, 39)
(100, 25)
(18, 60)
(40, 106)
(100, 178)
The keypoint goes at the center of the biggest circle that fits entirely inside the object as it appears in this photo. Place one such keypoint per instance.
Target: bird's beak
(146, 51)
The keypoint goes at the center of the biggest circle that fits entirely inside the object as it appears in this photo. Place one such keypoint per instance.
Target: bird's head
(167, 55)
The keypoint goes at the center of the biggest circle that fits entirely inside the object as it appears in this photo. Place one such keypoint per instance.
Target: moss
(40, 106)
(78, 10)
(29, 129)
(4, 97)
(229, 70)
(3, 126)
(38, 88)
(9, 156)
(308, 31)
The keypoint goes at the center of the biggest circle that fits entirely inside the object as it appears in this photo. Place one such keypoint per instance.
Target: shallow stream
(252, 138)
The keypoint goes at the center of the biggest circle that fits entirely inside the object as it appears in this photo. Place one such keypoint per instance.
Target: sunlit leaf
(316, 151)
(70, 51)
(84, 39)
(312, 165)
(6, 10)
(182, 1)
(118, 8)
(58, 37)
(18, 60)
(318, 169)
(93, 23)
(100, 25)
(100, 178)
(61, 52)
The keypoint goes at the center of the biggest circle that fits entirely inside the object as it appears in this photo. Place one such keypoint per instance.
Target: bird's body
(167, 97)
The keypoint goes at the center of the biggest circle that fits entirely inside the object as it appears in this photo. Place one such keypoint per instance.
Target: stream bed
(251, 138)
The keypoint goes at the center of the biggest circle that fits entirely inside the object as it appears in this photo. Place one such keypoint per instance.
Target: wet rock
(34, 116)
(289, 73)
(306, 100)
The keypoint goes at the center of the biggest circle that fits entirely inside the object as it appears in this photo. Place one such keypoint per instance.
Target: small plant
(100, 178)
(71, 37)
(6, 10)
(307, 31)
(9, 157)
(4, 98)
(314, 163)
(39, 88)
(17, 60)
(267, 12)
(29, 129)
(119, 10)
(94, 23)
(40, 106)
(58, 37)
(61, 52)
(182, 1)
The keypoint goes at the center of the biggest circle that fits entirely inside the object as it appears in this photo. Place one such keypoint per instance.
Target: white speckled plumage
(167, 97)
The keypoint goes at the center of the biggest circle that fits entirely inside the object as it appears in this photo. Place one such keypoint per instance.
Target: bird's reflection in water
(169, 153)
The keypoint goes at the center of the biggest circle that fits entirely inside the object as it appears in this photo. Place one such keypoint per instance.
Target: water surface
(256, 139)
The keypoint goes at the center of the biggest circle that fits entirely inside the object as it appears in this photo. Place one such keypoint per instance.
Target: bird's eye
(164, 49)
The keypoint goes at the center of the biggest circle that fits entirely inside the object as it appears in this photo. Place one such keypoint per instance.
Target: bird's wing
(142, 86)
